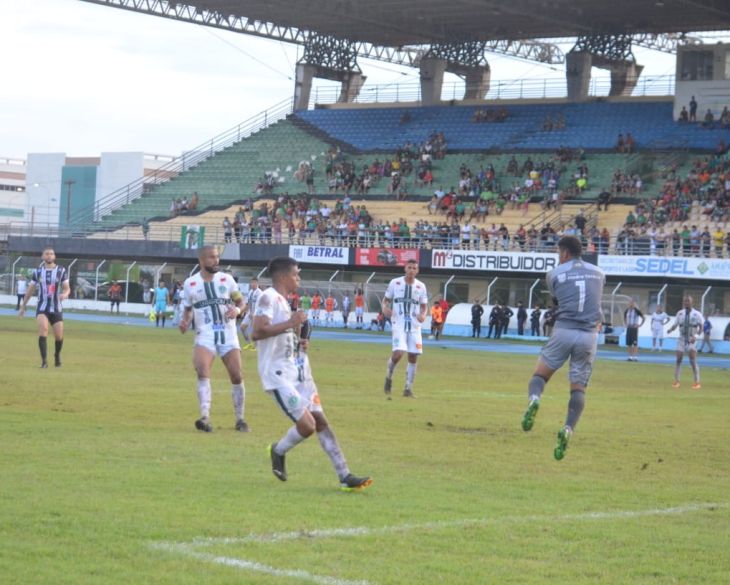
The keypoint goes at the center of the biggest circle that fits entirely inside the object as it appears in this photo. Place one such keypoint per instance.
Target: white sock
(696, 372)
(330, 446)
(204, 397)
(289, 441)
(238, 393)
(391, 368)
(410, 374)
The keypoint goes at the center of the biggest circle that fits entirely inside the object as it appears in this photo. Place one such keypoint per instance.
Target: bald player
(212, 298)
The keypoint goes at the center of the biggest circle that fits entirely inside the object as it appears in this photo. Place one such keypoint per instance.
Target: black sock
(157, 320)
(163, 321)
(59, 346)
(42, 346)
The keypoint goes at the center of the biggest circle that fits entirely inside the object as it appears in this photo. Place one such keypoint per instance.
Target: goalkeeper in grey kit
(577, 287)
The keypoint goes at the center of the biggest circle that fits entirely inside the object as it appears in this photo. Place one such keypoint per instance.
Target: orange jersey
(316, 301)
(329, 304)
(437, 314)
(359, 301)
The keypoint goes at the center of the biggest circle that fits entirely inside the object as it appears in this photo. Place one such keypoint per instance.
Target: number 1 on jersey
(581, 284)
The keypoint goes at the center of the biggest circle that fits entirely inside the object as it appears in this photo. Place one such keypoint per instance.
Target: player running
(658, 320)
(51, 281)
(577, 287)
(287, 377)
(406, 303)
(212, 300)
(689, 321)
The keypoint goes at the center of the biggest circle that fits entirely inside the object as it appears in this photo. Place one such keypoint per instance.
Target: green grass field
(104, 479)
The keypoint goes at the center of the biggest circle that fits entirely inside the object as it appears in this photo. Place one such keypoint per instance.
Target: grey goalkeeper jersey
(577, 286)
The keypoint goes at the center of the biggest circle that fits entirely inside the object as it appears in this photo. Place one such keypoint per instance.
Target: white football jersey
(688, 323)
(254, 294)
(277, 362)
(209, 301)
(406, 300)
(659, 319)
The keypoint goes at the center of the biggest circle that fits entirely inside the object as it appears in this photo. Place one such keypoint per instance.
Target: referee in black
(51, 282)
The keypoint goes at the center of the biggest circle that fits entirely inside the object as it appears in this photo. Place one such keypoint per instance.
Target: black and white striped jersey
(49, 285)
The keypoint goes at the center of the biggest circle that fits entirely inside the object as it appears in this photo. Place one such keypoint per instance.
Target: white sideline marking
(189, 549)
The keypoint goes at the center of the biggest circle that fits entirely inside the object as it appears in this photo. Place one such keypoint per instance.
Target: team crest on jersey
(293, 400)
(193, 283)
(221, 289)
(561, 277)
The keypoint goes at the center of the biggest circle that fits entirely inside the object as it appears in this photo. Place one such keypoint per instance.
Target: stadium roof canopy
(396, 23)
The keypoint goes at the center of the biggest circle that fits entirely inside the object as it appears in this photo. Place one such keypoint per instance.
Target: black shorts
(52, 317)
(116, 302)
(632, 336)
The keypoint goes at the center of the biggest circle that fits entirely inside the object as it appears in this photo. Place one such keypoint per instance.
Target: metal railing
(116, 199)
(508, 89)
(215, 234)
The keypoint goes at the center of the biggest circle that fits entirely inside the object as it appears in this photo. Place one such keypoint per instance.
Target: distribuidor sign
(385, 256)
(493, 261)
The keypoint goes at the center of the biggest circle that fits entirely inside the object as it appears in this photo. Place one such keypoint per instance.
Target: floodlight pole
(126, 281)
(12, 277)
(489, 290)
(659, 295)
(446, 287)
(329, 286)
(262, 271)
(702, 303)
(157, 274)
(96, 283)
(74, 261)
(613, 299)
(193, 270)
(529, 302)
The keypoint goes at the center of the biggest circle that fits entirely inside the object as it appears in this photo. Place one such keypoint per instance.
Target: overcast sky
(83, 79)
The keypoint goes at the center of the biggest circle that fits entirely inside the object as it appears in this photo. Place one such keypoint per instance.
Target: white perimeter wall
(117, 170)
(43, 187)
(709, 94)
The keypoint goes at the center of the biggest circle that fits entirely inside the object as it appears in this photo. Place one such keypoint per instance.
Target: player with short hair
(51, 282)
(330, 304)
(316, 308)
(254, 294)
(359, 308)
(212, 301)
(633, 320)
(577, 287)
(658, 320)
(282, 337)
(160, 300)
(406, 303)
(689, 321)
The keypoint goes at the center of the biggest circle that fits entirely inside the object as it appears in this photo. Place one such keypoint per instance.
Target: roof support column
(624, 77)
(303, 85)
(432, 80)
(578, 74)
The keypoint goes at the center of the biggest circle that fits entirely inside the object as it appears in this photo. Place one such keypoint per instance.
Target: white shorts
(359, 311)
(657, 332)
(685, 345)
(220, 349)
(410, 342)
(294, 399)
(246, 321)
